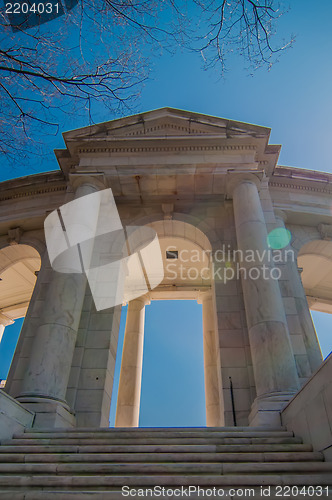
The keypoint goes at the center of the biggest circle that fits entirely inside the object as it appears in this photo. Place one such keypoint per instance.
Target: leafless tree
(245, 27)
(100, 52)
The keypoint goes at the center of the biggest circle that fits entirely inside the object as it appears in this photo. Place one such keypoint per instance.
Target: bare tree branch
(98, 54)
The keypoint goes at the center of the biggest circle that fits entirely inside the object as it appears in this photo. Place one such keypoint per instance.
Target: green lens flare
(279, 238)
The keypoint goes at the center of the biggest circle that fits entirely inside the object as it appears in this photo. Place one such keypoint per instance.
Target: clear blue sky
(294, 99)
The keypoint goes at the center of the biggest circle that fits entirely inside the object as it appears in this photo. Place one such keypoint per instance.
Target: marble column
(274, 366)
(4, 321)
(212, 397)
(309, 334)
(47, 376)
(129, 394)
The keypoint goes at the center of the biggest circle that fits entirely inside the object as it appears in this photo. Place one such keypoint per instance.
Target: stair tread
(158, 429)
(132, 435)
(152, 441)
(153, 448)
(180, 467)
(152, 457)
(169, 480)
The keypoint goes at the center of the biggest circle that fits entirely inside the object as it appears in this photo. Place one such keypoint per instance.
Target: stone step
(161, 457)
(55, 464)
(112, 469)
(156, 430)
(185, 448)
(165, 468)
(84, 483)
(252, 491)
(153, 441)
(146, 435)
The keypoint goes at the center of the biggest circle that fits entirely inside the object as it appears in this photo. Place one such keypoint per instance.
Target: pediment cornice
(174, 132)
(168, 122)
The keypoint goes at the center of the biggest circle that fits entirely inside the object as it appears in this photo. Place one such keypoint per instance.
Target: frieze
(23, 194)
(147, 149)
(300, 187)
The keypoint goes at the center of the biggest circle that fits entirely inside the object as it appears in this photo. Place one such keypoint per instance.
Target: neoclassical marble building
(212, 190)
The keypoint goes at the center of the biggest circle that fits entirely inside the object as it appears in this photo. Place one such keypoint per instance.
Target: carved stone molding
(31, 192)
(301, 187)
(325, 231)
(149, 149)
(14, 236)
(168, 209)
(95, 179)
(5, 320)
(234, 177)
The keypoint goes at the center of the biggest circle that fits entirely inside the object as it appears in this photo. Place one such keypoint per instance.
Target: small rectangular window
(172, 254)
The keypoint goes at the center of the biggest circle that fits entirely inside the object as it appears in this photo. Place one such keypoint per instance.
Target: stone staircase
(96, 463)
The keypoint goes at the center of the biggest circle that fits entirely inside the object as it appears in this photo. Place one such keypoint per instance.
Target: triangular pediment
(167, 123)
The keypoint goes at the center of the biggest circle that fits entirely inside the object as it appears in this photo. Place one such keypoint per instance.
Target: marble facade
(208, 186)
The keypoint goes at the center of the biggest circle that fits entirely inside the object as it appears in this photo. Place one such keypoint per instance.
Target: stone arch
(19, 265)
(34, 239)
(206, 229)
(315, 258)
(181, 229)
(301, 235)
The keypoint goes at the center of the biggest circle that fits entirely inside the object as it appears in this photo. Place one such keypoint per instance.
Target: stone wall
(309, 413)
(13, 417)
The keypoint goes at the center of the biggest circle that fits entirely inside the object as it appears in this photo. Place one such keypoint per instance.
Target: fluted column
(129, 394)
(274, 366)
(49, 367)
(309, 334)
(4, 321)
(212, 397)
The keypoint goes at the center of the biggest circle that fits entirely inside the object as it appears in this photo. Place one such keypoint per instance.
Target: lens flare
(279, 238)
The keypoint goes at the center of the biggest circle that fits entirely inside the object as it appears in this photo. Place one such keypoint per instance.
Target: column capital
(144, 299)
(5, 320)
(236, 177)
(95, 180)
(202, 296)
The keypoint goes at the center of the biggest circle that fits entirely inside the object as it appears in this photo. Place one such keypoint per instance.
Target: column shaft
(273, 360)
(129, 394)
(53, 347)
(212, 397)
(309, 334)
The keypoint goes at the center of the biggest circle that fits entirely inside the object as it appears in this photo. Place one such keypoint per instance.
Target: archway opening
(7, 348)
(323, 326)
(19, 266)
(173, 393)
(173, 385)
(315, 262)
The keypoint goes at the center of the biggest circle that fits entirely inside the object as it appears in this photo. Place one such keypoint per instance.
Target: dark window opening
(172, 254)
